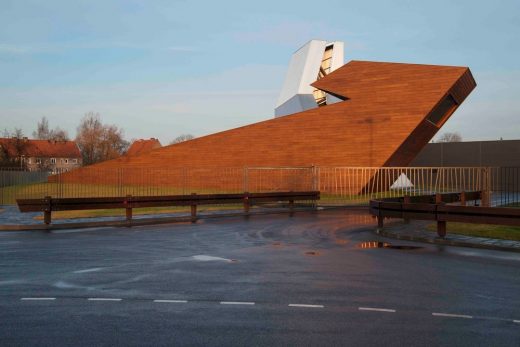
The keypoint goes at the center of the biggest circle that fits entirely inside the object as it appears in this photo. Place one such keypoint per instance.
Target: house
(142, 146)
(40, 155)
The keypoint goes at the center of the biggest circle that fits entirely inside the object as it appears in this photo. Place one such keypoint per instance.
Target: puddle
(378, 244)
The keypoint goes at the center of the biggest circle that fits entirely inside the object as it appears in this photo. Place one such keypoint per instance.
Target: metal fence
(338, 185)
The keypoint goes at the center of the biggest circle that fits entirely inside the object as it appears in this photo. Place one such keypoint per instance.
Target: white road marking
(306, 305)
(34, 299)
(376, 309)
(437, 314)
(172, 301)
(516, 321)
(237, 303)
(104, 299)
(203, 257)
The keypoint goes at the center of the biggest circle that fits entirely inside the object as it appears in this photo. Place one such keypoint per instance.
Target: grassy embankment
(503, 232)
(481, 230)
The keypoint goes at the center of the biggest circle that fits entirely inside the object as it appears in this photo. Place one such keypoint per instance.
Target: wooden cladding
(383, 121)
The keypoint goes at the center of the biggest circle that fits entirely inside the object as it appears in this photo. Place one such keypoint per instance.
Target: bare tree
(98, 142)
(13, 150)
(43, 132)
(59, 134)
(450, 137)
(182, 138)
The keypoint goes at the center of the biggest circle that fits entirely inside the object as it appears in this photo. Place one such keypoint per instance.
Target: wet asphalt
(316, 278)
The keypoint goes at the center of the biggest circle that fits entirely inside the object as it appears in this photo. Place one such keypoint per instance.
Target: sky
(164, 68)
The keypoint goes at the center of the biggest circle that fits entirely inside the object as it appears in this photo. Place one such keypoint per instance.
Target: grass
(9, 194)
(513, 204)
(481, 230)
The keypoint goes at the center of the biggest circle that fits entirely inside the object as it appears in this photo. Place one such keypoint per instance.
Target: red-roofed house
(37, 155)
(142, 146)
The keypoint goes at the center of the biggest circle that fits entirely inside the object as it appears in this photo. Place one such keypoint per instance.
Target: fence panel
(338, 185)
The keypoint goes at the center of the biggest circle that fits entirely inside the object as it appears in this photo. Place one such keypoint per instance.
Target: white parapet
(314, 60)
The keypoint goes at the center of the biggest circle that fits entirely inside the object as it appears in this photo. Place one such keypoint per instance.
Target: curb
(445, 241)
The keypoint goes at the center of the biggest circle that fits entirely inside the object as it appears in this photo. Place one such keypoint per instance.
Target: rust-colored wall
(381, 122)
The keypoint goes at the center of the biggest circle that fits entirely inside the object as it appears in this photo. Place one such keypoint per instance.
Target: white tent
(402, 182)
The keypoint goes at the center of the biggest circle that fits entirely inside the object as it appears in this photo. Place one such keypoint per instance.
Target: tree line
(97, 141)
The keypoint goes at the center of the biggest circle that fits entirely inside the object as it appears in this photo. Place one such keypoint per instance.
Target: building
(386, 114)
(500, 153)
(313, 61)
(40, 155)
(143, 146)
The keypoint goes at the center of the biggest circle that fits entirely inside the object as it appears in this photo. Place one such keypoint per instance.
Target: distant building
(142, 146)
(471, 153)
(40, 155)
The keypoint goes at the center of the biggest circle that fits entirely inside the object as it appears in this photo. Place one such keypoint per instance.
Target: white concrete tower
(309, 63)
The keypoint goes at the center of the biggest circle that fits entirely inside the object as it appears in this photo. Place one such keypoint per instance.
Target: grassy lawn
(514, 204)
(481, 230)
(38, 190)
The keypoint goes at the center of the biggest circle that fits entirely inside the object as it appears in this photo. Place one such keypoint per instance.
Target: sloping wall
(383, 121)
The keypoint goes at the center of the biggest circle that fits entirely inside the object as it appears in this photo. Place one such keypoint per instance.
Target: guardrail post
(246, 203)
(128, 209)
(193, 209)
(47, 211)
(380, 219)
(438, 198)
(441, 228)
(406, 200)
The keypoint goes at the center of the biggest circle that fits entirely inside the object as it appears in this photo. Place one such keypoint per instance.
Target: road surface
(311, 279)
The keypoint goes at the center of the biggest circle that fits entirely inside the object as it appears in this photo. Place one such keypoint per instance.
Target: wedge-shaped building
(388, 112)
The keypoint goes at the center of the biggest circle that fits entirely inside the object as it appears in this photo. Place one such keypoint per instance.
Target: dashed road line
(451, 315)
(171, 301)
(306, 305)
(237, 303)
(251, 303)
(377, 309)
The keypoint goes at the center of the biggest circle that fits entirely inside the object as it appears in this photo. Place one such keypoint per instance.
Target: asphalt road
(310, 279)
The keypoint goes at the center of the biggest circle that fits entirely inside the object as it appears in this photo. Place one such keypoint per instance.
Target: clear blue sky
(162, 68)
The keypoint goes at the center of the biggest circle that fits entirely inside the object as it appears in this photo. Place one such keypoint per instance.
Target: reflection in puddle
(378, 244)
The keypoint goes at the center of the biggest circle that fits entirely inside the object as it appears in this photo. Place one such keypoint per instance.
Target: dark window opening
(444, 109)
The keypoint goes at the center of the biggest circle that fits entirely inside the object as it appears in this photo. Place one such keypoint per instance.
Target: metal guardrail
(48, 204)
(436, 208)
